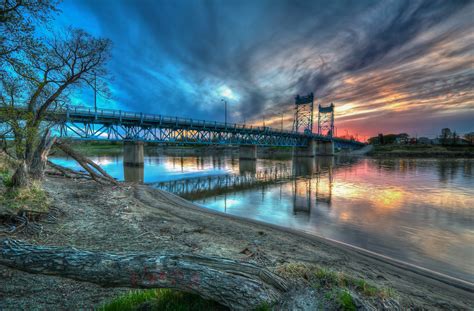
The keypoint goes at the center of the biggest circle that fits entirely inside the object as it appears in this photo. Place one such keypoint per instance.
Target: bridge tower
(326, 120)
(304, 113)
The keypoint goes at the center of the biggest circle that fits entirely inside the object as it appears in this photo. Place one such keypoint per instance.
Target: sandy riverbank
(134, 218)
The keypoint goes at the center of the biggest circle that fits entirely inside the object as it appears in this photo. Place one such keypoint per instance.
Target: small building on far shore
(424, 141)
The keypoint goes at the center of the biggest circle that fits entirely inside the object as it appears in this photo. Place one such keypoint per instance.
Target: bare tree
(17, 23)
(37, 78)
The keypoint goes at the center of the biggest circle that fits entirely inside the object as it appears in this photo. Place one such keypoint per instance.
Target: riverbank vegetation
(94, 148)
(423, 151)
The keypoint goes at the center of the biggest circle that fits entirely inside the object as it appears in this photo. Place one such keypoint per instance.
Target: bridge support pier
(247, 166)
(133, 153)
(315, 148)
(248, 152)
(307, 151)
(325, 148)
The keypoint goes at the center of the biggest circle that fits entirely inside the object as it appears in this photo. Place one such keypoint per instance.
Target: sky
(388, 66)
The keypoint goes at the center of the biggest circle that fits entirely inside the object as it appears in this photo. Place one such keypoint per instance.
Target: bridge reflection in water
(310, 180)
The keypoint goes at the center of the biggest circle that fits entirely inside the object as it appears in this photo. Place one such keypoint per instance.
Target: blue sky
(389, 66)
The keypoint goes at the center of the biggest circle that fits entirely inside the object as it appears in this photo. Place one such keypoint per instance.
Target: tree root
(26, 221)
(21, 222)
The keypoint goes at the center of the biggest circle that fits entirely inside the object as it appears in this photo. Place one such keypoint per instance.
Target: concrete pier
(248, 152)
(133, 153)
(325, 148)
(247, 166)
(308, 151)
(315, 148)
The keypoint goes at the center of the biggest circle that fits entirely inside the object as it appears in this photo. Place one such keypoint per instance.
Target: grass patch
(321, 278)
(5, 176)
(5, 169)
(263, 307)
(345, 301)
(161, 299)
(32, 198)
(294, 271)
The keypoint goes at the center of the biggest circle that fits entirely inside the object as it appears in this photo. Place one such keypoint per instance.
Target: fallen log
(238, 285)
(67, 172)
(94, 170)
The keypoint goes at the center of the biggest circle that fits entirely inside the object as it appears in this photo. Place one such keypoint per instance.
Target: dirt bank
(132, 218)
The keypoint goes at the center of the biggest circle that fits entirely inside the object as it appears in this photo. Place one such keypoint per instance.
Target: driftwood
(94, 170)
(66, 172)
(238, 285)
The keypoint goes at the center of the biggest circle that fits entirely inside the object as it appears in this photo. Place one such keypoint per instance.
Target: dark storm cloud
(177, 57)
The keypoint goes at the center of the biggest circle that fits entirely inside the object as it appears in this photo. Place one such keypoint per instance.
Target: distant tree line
(446, 137)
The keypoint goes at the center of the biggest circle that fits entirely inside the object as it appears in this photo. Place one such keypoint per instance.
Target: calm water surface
(417, 210)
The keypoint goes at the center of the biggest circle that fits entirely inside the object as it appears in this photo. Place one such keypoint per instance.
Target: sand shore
(138, 218)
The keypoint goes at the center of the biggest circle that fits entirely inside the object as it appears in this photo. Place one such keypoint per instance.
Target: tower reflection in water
(312, 184)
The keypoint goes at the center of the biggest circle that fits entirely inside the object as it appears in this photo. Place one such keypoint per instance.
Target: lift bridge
(134, 128)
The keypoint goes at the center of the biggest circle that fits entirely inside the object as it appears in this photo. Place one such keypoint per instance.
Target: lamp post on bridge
(225, 111)
(95, 92)
(281, 125)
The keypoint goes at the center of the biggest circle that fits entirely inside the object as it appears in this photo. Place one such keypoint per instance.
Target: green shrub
(346, 302)
(6, 177)
(263, 307)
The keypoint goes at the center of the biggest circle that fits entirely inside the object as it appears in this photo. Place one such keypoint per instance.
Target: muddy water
(417, 210)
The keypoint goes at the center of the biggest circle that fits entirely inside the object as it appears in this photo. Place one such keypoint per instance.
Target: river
(417, 210)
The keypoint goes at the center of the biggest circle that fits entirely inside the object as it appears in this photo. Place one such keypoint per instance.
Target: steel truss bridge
(117, 125)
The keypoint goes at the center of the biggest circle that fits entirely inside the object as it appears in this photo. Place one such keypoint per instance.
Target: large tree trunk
(238, 285)
(40, 156)
(20, 177)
